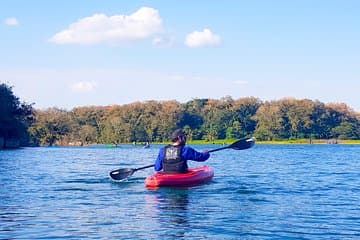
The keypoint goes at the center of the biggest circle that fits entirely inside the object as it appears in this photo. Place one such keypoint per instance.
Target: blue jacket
(187, 153)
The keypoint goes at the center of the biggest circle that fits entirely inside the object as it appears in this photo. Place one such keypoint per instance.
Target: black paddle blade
(121, 174)
(238, 145)
(243, 144)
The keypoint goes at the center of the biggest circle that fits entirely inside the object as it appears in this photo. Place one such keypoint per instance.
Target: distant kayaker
(173, 157)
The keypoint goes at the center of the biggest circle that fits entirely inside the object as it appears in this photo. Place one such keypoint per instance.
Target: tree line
(207, 119)
(203, 119)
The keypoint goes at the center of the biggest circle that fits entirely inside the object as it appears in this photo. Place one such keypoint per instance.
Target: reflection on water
(172, 210)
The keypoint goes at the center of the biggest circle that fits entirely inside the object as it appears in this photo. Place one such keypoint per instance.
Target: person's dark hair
(176, 134)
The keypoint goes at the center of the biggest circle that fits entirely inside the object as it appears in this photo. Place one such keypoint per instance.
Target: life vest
(172, 162)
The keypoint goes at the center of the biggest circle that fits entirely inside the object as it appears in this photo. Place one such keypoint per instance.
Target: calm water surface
(267, 192)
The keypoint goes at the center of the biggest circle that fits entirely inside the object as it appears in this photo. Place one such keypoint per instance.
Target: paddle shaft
(218, 149)
(152, 165)
(238, 145)
(141, 168)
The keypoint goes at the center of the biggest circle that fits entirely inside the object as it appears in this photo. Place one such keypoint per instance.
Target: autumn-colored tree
(268, 121)
(52, 125)
(207, 119)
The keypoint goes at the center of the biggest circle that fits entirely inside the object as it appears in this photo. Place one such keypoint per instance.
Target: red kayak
(194, 176)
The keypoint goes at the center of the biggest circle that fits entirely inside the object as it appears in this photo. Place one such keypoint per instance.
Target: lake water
(266, 192)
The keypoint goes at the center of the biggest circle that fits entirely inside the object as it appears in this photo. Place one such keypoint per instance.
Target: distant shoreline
(228, 142)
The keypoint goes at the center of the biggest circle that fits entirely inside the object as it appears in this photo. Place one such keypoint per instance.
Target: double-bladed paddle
(124, 173)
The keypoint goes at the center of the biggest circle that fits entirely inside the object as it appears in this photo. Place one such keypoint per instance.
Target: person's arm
(191, 154)
(158, 163)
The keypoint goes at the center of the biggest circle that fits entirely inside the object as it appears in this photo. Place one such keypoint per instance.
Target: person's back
(172, 161)
(173, 158)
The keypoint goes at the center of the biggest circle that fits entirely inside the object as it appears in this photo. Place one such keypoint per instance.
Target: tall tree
(15, 116)
(52, 126)
(243, 122)
(268, 121)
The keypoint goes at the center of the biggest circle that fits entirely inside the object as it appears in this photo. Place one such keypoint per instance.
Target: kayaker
(173, 157)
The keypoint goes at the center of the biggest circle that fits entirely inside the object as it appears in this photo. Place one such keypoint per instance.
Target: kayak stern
(194, 176)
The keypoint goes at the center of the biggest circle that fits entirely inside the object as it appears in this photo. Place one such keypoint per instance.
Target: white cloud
(99, 28)
(83, 87)
(204, 38)
(11, 21)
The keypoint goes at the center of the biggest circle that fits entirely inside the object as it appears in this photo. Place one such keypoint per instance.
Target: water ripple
(268, 192)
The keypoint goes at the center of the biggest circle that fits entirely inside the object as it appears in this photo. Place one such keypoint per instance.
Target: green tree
(193, 118)
(243, 121)
(87, 123)
(296, 117)
(347, 130)
(52, 126)
(268, 121)
(217, 115)
(15, 117)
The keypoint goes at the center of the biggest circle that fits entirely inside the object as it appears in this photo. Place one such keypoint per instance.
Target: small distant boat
(146, 145)
(113, 146)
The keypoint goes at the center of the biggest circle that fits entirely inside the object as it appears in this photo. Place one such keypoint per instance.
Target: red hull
(194, 176)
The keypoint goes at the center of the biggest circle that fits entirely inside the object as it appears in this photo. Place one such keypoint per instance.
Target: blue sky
(78, 53)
